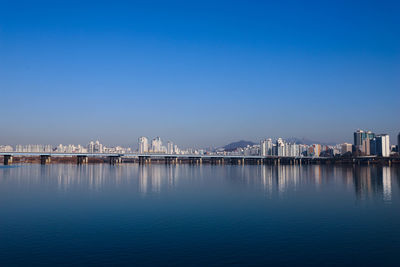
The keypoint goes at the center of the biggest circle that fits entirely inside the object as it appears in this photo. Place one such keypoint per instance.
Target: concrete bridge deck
(117, 158)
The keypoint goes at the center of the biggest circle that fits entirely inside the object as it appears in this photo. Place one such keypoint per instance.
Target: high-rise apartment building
(143, 144)
(346, 148)
(170, 148)
(398, 143)
(317, 150)
(263, 148)
(269, 147)
(381, 145)
(156, 144)
(362, 141)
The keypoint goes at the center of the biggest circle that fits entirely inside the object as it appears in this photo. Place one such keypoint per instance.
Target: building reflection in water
(387, 184)
(365, 182)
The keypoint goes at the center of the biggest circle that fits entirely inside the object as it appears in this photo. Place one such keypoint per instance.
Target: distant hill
(242, 143)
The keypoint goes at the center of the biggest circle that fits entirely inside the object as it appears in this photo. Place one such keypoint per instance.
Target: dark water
(191, 215)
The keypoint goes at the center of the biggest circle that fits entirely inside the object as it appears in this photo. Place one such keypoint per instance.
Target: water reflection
(366, 182)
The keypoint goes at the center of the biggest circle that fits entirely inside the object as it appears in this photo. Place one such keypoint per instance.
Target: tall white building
(269, 147)
(156, 144)
(280, 145)
(90, 147)
(98, 148)
(263, 148)
(93, 147)
(383, 145)
(143, 145)
(170, 148)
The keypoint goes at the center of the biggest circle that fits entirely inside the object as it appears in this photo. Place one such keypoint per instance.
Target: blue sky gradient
(197, 72)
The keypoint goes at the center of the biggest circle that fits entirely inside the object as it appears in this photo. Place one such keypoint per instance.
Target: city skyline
(365, 143)
(134, 142)
(205, 73)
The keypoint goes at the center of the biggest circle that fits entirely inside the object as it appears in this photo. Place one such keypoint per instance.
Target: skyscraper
(170, 148)
(269, 147)
(358, 136)
(263, 148)
(362, 141)
(90, 147)
(143, 145)
(398, 143)
(156, 144)
(382, 145)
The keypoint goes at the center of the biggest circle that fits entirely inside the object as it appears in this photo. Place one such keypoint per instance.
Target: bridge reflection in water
(366, 182)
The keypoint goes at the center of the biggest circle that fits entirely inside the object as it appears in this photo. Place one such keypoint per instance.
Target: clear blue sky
(197, 72)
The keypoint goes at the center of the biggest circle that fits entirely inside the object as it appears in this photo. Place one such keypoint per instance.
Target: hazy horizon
(199, 74)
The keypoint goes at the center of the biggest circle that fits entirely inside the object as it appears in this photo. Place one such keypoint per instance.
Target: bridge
(147, 158)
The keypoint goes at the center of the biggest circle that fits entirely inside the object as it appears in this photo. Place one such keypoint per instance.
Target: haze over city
(201, 73)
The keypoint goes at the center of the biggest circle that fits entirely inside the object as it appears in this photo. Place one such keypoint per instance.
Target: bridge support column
(114, 160)
(80, 160)
(141, 160)
(45, 159)
(171, 160)
(144, 160)
(8, 159)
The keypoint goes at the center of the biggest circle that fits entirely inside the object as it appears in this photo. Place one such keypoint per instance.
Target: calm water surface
(199, 215)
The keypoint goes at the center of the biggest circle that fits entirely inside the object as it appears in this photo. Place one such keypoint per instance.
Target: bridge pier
(114, 160)
(241, 161)
(144, 160)
(80, 160)
(8, 159)
(171, 160)
(194, 160)
(45, 159)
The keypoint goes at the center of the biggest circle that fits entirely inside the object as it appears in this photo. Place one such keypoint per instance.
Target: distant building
(280, 147)
(156, 145)
(362, 141)
(269, 147)
(6, 148)
(365, 148)
(382, 145)
(170, 148)
(143, 145)
(263, 148)
(317, 150)
(346, 147)
(33, 148)
(398, 143)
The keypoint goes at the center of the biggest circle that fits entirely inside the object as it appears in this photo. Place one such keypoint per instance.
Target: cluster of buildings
(283, 148)
(367, 143)
(92, 147)
(33, 148)
(155, 146)
(286, 149)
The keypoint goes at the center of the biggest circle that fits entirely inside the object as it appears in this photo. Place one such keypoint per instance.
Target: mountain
(233, 146)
